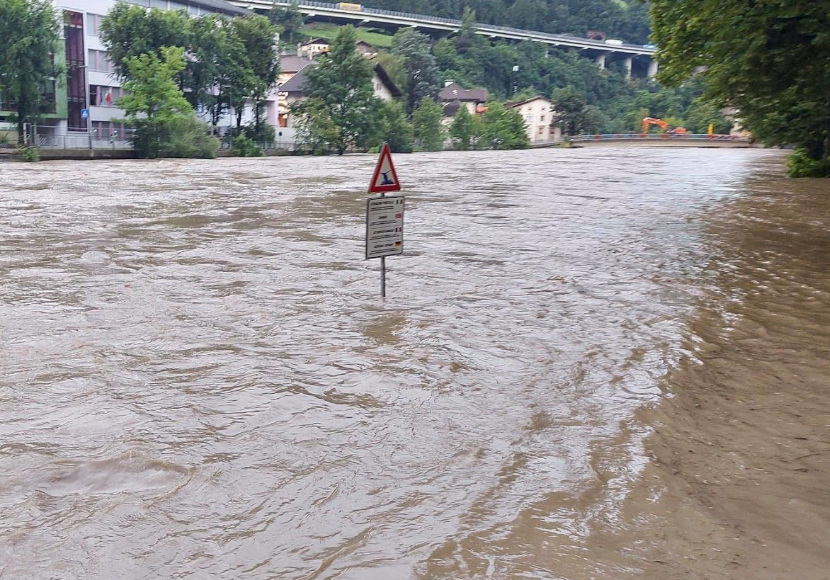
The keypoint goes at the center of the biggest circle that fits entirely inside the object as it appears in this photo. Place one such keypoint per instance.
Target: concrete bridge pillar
(628, 64)
(601, 61)
(652, 68)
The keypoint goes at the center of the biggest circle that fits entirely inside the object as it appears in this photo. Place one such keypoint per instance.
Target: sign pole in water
(384, 215)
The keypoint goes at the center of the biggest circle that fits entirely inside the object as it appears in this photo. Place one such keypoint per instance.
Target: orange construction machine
(648, 121)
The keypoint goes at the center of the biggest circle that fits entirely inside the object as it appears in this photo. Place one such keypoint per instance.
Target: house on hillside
(313, 47)
(453, 96)
(537, 113)
(366, 49)
(384, 87)
(292, 91)
(290, 66)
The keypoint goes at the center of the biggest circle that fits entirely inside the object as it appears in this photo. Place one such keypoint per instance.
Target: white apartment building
(537, 113)
(92, 89)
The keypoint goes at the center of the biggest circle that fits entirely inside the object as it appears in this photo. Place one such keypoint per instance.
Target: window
(73, 31)
(104, 96)
(6, 104)
(49, 103)
(93, 24)
(541, 130)
(542, 118)
(98, 61)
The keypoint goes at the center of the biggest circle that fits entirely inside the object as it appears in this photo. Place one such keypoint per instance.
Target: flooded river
(199, 380)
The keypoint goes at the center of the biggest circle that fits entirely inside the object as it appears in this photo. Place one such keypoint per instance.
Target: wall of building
(381, 90)
(101, 87)
(538, 115)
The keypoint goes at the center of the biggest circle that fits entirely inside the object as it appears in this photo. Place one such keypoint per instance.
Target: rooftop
(455, 92)
(511, 104)
(292, 63)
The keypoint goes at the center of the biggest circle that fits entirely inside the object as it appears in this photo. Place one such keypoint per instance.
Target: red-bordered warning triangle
(385, 179)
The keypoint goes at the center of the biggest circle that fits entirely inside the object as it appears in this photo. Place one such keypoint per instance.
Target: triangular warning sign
(385, 179)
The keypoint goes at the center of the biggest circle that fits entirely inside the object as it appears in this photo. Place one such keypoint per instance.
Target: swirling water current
(198, 378)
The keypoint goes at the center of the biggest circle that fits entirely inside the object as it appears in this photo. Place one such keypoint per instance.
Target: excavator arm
(666, 128)
(647, 121)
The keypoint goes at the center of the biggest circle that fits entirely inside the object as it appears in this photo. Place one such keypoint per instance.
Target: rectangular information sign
(384, 226)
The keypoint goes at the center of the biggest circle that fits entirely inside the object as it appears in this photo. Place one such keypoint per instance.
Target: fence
(48, 137)
(657, 137)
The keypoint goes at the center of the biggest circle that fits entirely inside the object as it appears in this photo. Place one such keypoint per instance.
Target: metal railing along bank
(657, 137)
(80, 140)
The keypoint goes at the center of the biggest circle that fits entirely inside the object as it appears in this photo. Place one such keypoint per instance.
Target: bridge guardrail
(565, 38)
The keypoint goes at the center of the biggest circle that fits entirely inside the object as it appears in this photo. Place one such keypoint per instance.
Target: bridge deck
(662, 140)
(365, 14)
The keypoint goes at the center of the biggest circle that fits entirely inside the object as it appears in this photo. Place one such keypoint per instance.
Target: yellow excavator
(648, 121)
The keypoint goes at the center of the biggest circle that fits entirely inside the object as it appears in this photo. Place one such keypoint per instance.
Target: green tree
(504, 128)
(703, 113)
(593, 120)
(315, 127)
(257, 36)
(767, 60)
(218, 73)
(341, 85)
(28, 38)
(129, 31)
(426, 124)
(157, 109)
(569, 106)
(289, 19)
(463, 129)
(393, 128)
(467, 35)
(420, 71)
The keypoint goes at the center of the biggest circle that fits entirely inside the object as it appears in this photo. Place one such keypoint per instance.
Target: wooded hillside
(622, 19)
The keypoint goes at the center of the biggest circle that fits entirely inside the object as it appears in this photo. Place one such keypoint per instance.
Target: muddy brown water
(198, 379)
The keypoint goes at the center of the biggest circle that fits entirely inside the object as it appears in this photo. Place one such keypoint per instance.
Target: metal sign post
(384, 215)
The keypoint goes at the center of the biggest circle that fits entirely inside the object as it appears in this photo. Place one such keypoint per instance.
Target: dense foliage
(155, 106)
(393, 128)
(419, 71)
(227, 61)
(770, 61)
(340, 110)
(426, 126)
(590, 100)
(28, 39)
(622, 19)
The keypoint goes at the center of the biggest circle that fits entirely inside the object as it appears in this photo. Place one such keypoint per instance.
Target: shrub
(242, 146)
(181, 136)
(189, 137)
(28, 154)
(800, 164)
(264, 137)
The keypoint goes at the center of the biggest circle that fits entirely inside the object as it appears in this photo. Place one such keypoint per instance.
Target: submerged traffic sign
(384, 226)
(384, 179)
